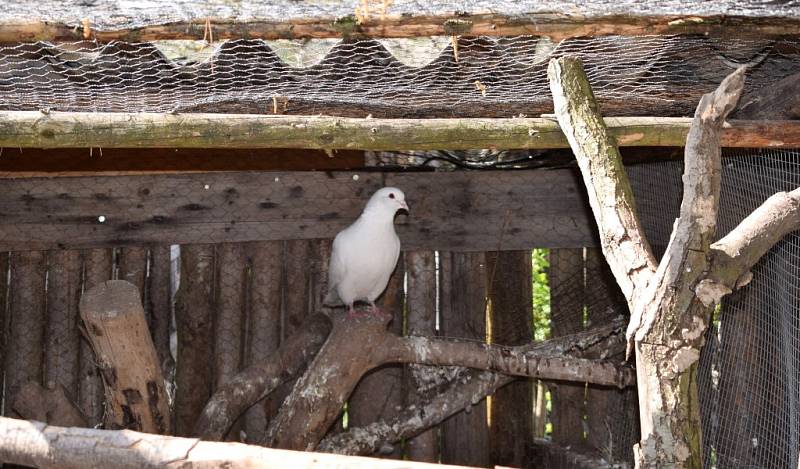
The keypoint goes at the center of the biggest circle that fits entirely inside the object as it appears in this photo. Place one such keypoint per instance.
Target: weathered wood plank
(264, 324)
(567, 300)
(465, 436)
(4, 315)
(194, 308)
(385, 22)
(510, 286)
(380, 394)
(132, 267)
(421, 306)
(98, 267)
(62, 337)
(457, 211)
(24, 353)
(33, 129)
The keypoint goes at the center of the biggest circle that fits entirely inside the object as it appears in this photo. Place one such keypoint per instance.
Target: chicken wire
(418, 77)
(750, 365)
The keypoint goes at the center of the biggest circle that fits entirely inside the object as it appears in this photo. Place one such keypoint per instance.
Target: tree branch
(607, 341)
(257, 381)
(610, 194)
(39, 445)
(733, 256)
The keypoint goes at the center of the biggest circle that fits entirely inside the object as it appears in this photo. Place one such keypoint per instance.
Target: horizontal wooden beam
(555, 25)
(34, 129)
(459, 211)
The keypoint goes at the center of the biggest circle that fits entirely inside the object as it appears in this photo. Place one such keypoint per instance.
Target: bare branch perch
(257, 381)
(610, 194)
(39, 445)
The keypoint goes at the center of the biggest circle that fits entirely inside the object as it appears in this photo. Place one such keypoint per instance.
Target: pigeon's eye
(391, 195)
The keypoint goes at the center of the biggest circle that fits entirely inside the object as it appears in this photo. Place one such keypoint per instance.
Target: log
(382, 22)
(194, 308)
(452, 210)
(37, 444)
(26, 323)
(511, 407)
(421, 306)
(62, 337)
(778, 101)
(465, 436)
(98, 267)
(134, 386)
(264, 326)
(33, 129)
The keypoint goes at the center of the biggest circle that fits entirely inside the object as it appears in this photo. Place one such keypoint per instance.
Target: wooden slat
(421, 296)
(567, 300)
(194, 309)
(380, 394)
(159, 306)
(264, 328)
(4, 316)
(33, 129)
(465, 436)
(62, 337)
(510, 286)
(298, 256)
(132, 266)
(457, 211)
(98, 267)
(23, 360)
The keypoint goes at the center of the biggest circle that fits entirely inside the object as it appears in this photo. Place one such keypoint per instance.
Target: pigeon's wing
(336, 272)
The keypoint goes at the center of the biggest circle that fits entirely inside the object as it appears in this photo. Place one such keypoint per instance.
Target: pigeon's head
(387, 200)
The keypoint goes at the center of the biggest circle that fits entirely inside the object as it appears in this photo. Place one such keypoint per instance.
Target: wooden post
(25, 346)
(510, 293)
(380, 393)
(612, 415)
(465, 437)
(229, 318)
(98, 268)
(194, 319)
(567, 300)
(114, 318)
(132, 267)
(62, 337)
(159, 304)
(264, 331)
(299, 254)
(421, 305)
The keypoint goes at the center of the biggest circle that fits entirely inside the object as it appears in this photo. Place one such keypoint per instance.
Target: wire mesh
(748, 370)
(419, 77)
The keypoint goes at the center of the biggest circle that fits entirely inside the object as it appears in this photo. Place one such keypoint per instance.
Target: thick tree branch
(610, 194)
(733, 256)
(39, 445)
(779, 101)
(257, 381)
(607, 341)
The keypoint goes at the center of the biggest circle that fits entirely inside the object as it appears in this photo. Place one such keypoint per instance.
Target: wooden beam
(34, 129)
(461, 211)
(541, 23)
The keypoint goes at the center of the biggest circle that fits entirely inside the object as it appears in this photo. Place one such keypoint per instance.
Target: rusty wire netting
(419, 77)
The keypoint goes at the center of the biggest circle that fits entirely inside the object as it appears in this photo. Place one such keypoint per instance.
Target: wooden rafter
(33, 129)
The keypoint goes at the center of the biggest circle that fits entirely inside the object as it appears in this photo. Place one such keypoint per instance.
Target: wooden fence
(238, 301)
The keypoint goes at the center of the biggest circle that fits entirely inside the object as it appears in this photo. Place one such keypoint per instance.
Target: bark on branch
(465, 391)
(36, 444)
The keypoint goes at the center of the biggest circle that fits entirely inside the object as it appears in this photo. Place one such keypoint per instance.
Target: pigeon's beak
(404, 205)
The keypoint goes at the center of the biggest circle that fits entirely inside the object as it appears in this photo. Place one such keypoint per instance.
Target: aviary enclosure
(564, 298)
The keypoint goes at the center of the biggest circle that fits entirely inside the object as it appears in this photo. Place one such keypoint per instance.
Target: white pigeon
(365, 253)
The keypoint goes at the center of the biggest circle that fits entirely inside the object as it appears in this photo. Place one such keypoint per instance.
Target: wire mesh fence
(419, 77)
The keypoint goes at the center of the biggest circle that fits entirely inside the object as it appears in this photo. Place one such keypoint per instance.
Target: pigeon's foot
(353, 314)
(379, 313)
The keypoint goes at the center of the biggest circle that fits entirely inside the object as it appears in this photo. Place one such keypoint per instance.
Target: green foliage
(541, 294)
